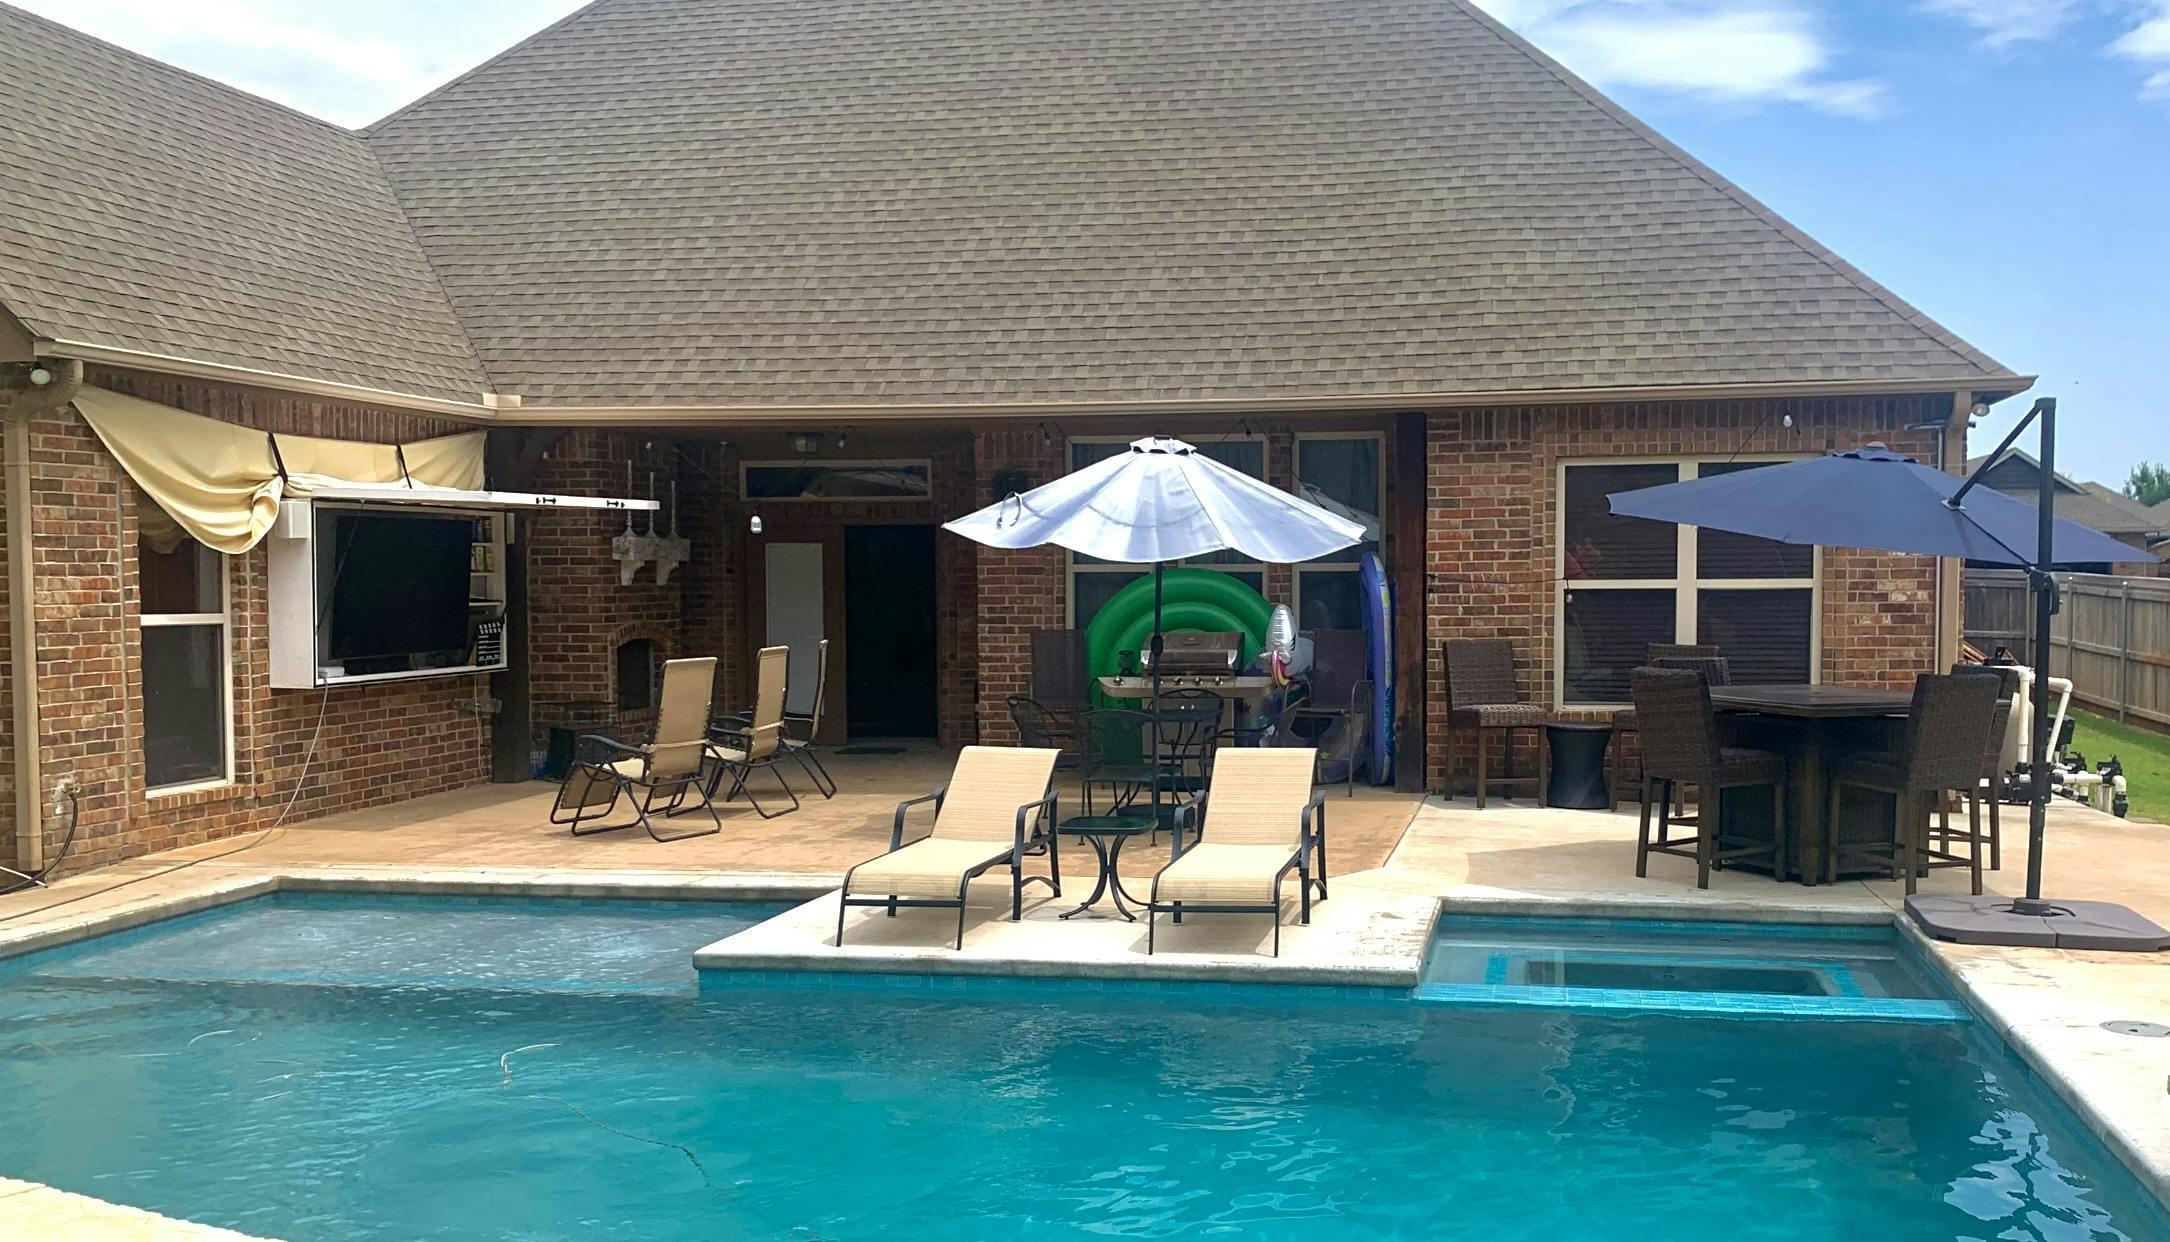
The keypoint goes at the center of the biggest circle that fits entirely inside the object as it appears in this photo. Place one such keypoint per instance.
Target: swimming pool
(189, 1068)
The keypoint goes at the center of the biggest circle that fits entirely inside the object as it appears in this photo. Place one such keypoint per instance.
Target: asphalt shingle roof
(774, 202)
(931, 203)
(2018, 474)
(145, 208)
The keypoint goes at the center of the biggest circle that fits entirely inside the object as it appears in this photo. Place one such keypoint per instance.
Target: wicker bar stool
(1991, 787)
(1624, 774)
(1941, 748)
(1481, 697)
(1681, 747)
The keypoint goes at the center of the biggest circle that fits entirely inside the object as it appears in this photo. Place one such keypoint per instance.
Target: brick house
(852, 270)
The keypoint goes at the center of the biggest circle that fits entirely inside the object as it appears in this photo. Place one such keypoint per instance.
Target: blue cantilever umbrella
(1877, 499)
(1870, 498)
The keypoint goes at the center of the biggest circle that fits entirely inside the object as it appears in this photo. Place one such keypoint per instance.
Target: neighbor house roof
(2090, 504)
(943, 205)
(143, 208)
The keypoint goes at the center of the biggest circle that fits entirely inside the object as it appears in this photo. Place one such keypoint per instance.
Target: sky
(2004, 165)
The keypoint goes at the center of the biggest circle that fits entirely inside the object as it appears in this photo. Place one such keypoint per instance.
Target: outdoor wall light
(40, 377)
(806, 443)
(753, 524)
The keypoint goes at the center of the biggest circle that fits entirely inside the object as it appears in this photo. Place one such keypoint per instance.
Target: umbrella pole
(2045, 606)
(1155, 647)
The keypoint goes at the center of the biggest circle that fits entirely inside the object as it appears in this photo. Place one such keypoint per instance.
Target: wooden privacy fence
(2112, 636)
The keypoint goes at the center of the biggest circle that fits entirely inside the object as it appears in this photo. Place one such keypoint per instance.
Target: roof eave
(299, 385)
(506, 409)
(760, 415)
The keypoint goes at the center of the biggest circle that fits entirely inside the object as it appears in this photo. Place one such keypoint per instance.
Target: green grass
(2145, 754)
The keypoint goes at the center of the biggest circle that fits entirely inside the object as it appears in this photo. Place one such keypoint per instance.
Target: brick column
(1019, 591)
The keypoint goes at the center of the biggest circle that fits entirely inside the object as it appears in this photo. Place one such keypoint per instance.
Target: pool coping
(2132, 1124)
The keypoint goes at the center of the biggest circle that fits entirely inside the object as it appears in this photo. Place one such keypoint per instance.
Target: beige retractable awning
(222, 482)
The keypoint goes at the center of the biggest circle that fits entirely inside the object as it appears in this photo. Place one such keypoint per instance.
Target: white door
(794, 615)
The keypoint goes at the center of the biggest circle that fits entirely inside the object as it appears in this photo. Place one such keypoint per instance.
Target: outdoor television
(393, 589)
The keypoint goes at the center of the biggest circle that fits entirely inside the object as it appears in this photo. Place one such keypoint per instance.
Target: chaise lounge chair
(657, 777)
(1261, 820)
(997, 807)
(740, 752)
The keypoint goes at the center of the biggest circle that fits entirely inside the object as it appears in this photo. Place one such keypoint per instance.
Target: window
(187, 694)
(1346, 474)
(1625, 583)
(1094, 581)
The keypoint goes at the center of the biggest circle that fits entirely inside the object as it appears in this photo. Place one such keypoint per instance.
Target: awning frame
(459, 498)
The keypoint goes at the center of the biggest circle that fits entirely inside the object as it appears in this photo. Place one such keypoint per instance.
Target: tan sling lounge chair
(1261, 821)
(997, 808)
(657, 778)
(740, 752)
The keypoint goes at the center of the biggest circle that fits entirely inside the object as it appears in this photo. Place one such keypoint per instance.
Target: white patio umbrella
(1161, 501)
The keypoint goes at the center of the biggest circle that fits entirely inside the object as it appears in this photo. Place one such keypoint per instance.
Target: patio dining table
(1811, 726)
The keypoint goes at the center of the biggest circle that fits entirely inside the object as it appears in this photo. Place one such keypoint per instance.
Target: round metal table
(1106, 834)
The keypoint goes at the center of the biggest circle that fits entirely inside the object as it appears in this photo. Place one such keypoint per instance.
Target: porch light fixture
(753, 524)
(806, 443)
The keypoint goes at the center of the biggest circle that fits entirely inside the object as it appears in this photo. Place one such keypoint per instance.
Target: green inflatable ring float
(1191, 599)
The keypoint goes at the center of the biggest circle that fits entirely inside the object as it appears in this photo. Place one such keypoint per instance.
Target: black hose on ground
(32, 879)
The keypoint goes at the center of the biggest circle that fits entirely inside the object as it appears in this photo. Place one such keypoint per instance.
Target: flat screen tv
(394, 588)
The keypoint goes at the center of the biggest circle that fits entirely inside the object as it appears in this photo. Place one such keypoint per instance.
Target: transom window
(1625, 583)
(187, 692)
(1345, 473)
(1094, 581)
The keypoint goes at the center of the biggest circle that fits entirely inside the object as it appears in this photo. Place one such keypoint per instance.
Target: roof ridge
(224, 88)
(402, 110)
(1861, 280)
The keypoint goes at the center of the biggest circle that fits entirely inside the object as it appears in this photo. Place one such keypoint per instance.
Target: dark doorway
(889, 682)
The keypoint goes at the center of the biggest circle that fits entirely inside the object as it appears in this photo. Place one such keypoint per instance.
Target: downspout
(48, 385)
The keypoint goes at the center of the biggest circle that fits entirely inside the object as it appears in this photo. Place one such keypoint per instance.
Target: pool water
(187, 1068)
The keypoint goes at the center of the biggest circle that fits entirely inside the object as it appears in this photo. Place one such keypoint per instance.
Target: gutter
(482, 410)
(506, 409)
(59, 387)
(785, 415)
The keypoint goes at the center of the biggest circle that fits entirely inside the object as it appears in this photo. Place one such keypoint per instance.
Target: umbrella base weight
(2098, 925)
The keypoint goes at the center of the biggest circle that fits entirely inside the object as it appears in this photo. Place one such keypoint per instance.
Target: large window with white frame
(187, 689)
(1345, 473)
(1624, 583)
(1094, 581)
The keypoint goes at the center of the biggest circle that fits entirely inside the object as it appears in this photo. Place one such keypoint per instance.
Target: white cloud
(1734, 51)
(2149, 44)
(2004, 22)
(348, 63)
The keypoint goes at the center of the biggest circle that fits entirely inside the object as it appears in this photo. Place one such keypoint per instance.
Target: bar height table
(1812, 718)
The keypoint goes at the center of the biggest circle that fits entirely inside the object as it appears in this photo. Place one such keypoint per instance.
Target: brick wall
(1021, 590)
(8, 852)
(956, 570)
(713, 581)
(578, 610)
(1492, 519)
(372, 744)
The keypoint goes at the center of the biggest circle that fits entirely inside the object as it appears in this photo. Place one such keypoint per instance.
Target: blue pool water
(527, 1070)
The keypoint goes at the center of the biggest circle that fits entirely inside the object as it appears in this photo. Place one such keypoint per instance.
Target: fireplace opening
(637, 675)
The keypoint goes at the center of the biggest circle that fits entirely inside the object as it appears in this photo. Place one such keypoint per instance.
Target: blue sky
(2002, 164)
